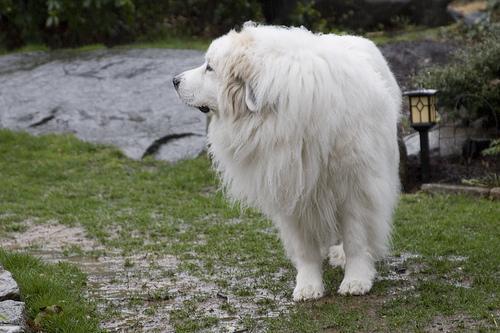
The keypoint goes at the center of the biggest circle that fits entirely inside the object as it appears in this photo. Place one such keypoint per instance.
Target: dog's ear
(239, 94)
(250, 98)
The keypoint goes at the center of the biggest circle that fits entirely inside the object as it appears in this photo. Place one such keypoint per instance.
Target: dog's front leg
(304, 252)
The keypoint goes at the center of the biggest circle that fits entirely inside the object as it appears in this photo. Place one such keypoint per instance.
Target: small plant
(490, 180)
(128, 263)
(307, 15)
(493, 150)
(70, 23)
(473, 78)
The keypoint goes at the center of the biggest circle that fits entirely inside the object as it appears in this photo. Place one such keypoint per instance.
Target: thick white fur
(304, 129)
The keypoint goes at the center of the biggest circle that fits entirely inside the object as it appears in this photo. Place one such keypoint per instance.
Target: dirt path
(136, 292)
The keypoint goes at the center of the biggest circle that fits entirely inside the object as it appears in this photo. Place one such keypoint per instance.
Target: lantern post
(423, 116)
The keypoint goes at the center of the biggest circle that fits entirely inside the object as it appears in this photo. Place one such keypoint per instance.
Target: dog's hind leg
(304, 252)
(336, 256)
(359, 270)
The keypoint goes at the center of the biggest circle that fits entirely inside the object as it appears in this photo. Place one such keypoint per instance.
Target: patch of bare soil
(449, 324)
(453, 170)
(50, 236)
(138, 293)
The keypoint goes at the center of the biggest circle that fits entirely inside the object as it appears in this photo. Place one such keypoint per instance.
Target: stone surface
(470, 13)
(456, 189)
(495, 193)
(12, 313)
(408, 58)
(8, 287)
(118, 97)
(11, 329)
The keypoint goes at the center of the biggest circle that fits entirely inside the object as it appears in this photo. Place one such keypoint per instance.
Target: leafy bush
(307, 15)
(63, 23)
(210, 18)
(494, 10)
(473, 80)
(493, 150)
(489, 180)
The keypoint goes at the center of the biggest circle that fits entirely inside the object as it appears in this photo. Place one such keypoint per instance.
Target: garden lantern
(423, 116)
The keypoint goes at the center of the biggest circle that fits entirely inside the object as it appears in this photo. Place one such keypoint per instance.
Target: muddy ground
(139, 292)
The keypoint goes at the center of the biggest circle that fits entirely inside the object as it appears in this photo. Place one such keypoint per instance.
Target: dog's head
(225, 82)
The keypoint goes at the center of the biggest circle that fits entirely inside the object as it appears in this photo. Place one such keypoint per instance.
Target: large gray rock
(118, 97)
(8, 287)
(408, 58)
(12, 313)
(470, 14)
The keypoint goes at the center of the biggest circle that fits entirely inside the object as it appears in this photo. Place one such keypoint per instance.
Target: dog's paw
(308, 292)
(337, 256)
(355, 287)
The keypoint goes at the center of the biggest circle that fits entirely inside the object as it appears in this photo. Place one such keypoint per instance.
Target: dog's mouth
(204, 109)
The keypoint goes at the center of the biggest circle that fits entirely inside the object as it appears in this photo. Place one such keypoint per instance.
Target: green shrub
(493, 150)
(494, 10)
(472, 79)
(307, 15)
(210, 18)
(60, 23)
(68, 23)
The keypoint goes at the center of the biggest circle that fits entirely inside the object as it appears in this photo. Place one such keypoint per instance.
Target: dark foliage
(67, 23)
(471, 84)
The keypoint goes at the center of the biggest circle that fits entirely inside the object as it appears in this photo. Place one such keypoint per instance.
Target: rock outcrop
(119, 97)
(11, 308)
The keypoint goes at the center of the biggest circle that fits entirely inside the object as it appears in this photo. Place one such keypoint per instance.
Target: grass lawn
(444, 272)
(195, 43)
(165, 43)
(45, 285)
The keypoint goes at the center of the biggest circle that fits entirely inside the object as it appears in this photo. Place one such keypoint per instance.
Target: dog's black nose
(176, 82)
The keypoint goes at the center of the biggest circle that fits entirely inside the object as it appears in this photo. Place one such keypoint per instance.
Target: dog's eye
(209, 69)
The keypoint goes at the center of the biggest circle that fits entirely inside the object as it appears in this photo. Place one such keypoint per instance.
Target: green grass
(410, 34)
(155, 207)
(194, 43)
(45, 285)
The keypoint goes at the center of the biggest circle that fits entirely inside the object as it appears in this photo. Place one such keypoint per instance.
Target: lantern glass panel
(433, 109)
(415, 114)
(424, 113)
(419, 109)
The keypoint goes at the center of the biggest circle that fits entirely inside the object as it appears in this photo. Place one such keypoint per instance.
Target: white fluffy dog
(304, 129)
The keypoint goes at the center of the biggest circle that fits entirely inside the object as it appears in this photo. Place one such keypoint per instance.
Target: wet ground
(140, 292)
